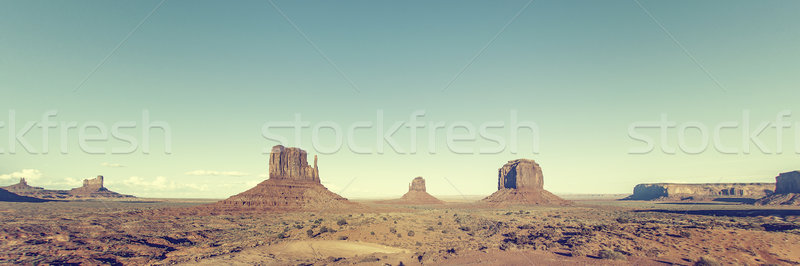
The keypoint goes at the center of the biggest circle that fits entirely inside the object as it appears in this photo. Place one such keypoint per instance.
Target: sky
(171, 98)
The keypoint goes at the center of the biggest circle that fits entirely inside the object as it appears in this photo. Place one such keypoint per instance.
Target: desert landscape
(517, 132)
(291, 219)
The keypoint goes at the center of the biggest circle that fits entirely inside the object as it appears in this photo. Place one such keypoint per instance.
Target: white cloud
(216, 173)
(112, 165)
(28, 174)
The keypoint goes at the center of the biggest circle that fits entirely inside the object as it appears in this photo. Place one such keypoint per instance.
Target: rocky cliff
(520, 173)
(521, 182)
(787, 190)
(676, 191)
(291, 163)
(292, 185)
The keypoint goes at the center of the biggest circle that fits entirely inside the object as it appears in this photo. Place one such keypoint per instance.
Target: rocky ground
(587, 232)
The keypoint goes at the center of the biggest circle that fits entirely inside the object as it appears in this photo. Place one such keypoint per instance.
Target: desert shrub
(298, 226)
(623, 219)
(310, 233)
(393, 230)
(341, 222)
(342, 237)
(324, 229)
(608, 254)
(410, 233)
(286, 229)
(547, 233)
(369, 259)
(439, 223)
(464, 228)
(707, 261)
(508, 213)
(384, 218)
(395, 222)
(282, 235)
(684, 234)
(399, 235)
(444, 231)
(418, 244)
(372, 233)
(430, 228)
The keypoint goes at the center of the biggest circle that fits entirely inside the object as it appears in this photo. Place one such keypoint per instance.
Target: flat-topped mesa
(292, 163)
(787, 190)
(520, 173)
(678, 191)
(787, 183)
(418, 184)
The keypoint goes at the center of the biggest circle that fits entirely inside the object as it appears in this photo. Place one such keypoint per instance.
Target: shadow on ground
(731, 213)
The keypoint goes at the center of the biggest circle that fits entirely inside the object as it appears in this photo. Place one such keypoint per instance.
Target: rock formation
(416, 194)
(521, 182)
(707, 191)
(787, 190)
(23, 189)
(292, 185)
(11, 197)
(91, 189)
(291, 163)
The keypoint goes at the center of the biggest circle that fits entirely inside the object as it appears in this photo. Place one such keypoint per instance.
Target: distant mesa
(521, 182)
(11, 197)
(91, 189)
(705, 191)
(292, 185)
(416, 195)
(787, 190)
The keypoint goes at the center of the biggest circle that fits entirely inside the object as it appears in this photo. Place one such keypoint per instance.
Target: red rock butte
(521, 182)
(416, 195)
(292, 185)
(787, 190)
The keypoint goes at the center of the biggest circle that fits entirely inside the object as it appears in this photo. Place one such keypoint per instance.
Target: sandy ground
(594, 231)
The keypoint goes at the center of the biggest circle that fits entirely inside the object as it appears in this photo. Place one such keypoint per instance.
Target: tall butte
(521, 182)
(292, 185)
(416, 194)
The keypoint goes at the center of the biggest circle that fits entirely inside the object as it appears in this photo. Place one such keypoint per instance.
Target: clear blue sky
(217, 71)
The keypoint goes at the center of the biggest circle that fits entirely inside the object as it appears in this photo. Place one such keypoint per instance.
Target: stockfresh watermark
(742, 137)
(92, 136)
(405, 136)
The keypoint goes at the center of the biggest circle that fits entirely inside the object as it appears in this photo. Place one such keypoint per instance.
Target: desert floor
(595, 230)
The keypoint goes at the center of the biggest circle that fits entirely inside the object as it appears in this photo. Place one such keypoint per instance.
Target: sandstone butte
(707, 191)
(91, 189)
(521, 182)
(292, 185)
(787, 190)
(417, 194)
